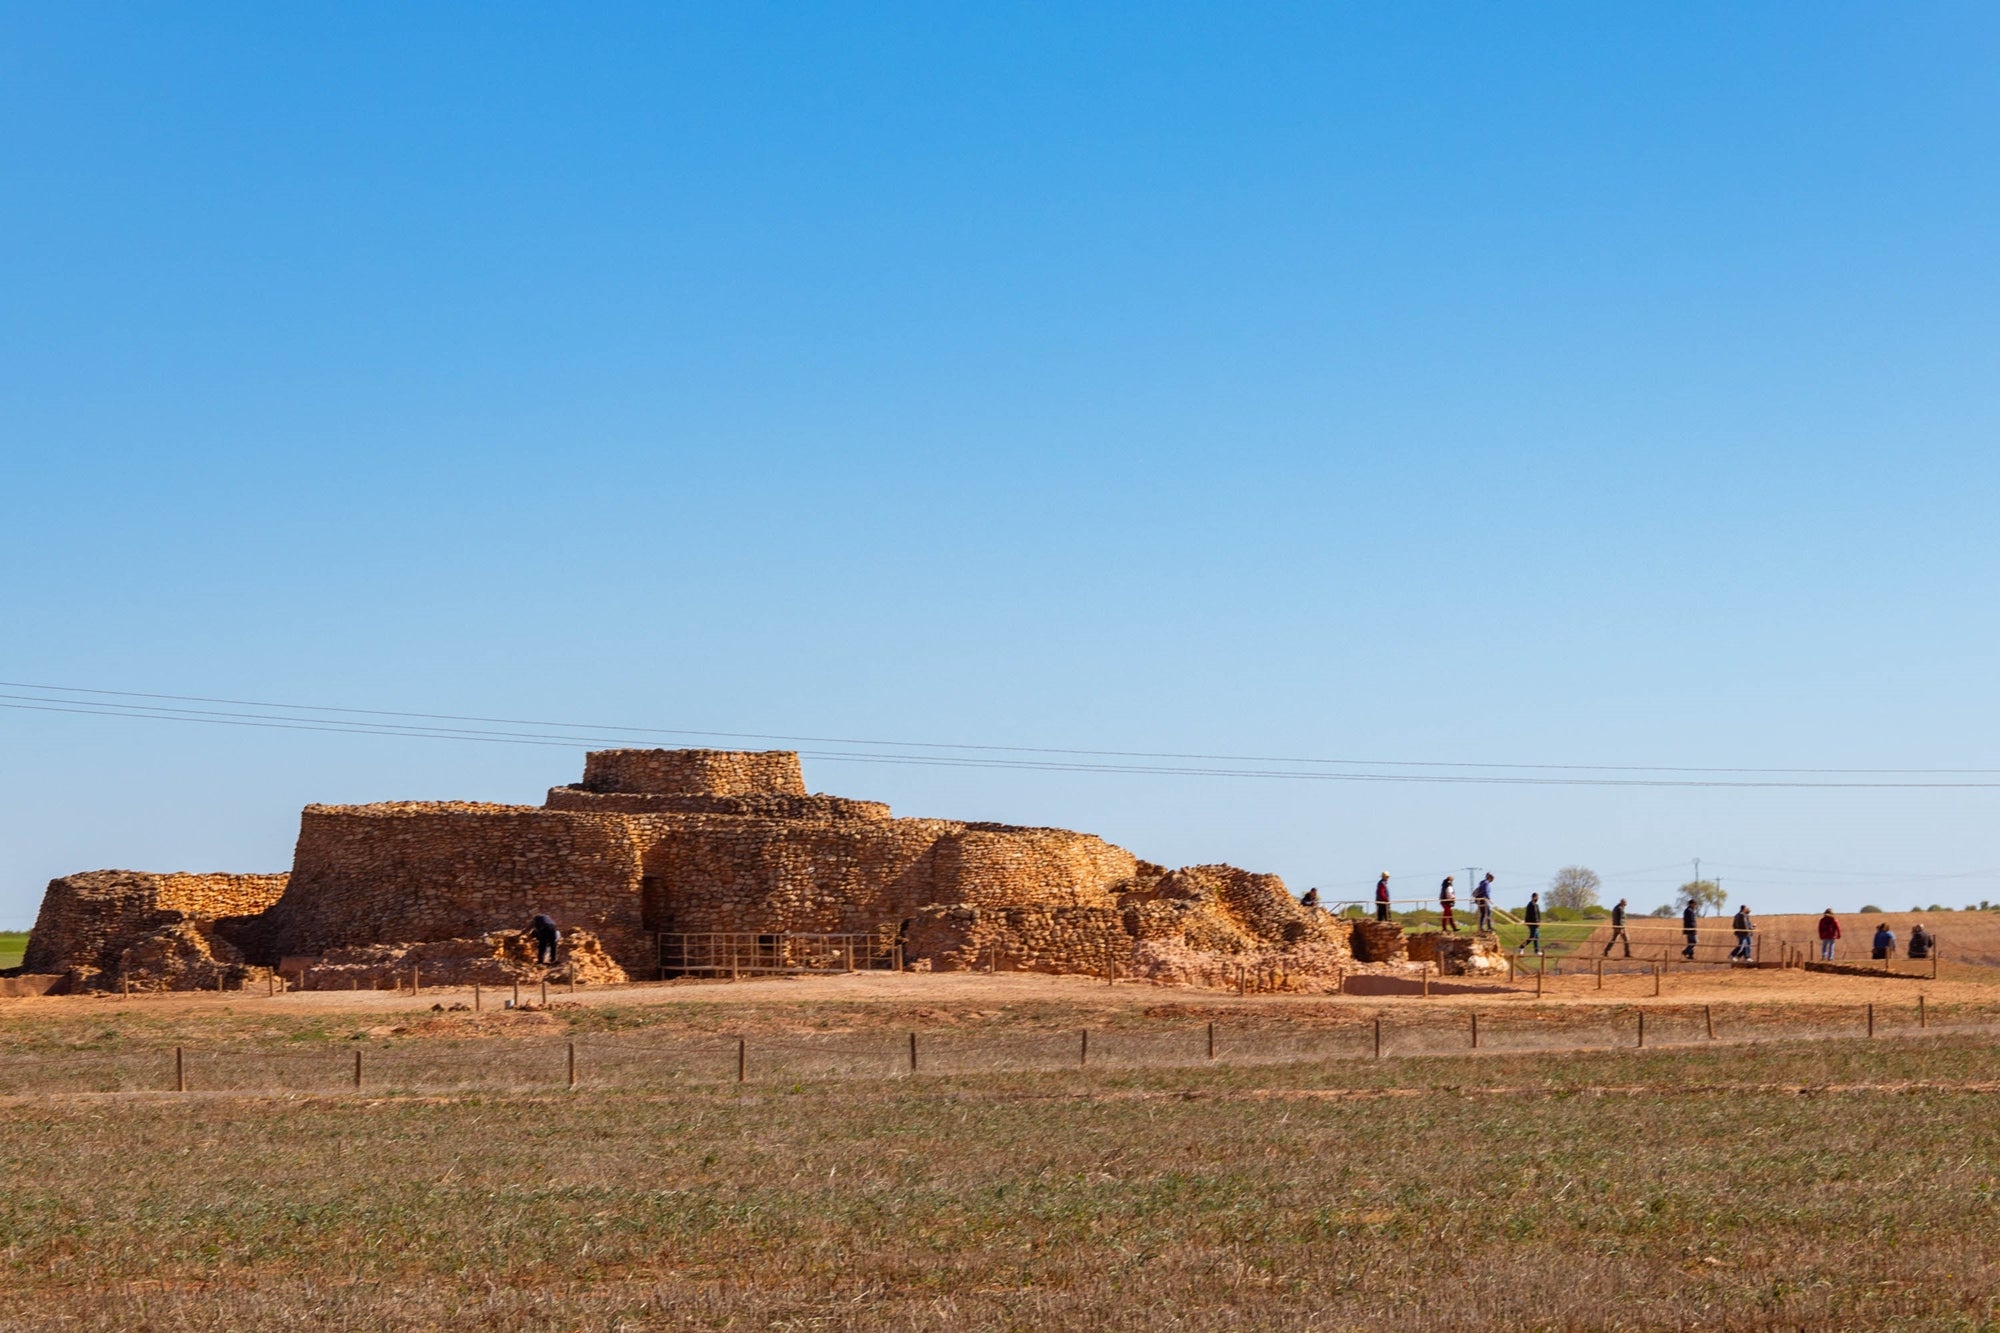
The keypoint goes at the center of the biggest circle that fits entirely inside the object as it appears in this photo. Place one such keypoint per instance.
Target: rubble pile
(499, 958)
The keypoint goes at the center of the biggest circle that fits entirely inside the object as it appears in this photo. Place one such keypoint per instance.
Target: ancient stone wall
(87, 921)
(995, 865)
(695, 772)
(762, 806)
(1020, 938)
(425, 871)
(721, 874)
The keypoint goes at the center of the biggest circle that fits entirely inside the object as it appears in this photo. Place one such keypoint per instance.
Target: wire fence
(439, 1065)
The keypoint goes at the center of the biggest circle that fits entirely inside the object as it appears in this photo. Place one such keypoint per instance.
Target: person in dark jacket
(1885, 941)
(1446, 901)
(1921, 941)
(1618, 930)
(1829, 935)
(1382, 897)
(1740, 923)
(1482, 898)
(1311, 901)
(543, 931)
(1531, 915)
(1690, 927)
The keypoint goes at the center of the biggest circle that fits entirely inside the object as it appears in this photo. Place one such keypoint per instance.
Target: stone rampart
(87, 921)
(824, 809)
(405, 871)
(718, 874)
(996, 865)
(695, 772)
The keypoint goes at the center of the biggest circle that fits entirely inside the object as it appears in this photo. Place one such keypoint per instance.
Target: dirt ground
(949, 997)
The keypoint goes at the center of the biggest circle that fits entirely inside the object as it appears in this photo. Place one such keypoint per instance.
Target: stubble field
(1771, 1184)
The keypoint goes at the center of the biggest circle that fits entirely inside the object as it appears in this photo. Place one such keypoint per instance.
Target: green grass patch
(13, 944)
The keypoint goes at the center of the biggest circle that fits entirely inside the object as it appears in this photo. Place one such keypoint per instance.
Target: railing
(751, 953)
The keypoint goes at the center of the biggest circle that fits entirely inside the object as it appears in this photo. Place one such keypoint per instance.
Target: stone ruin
(659, 845)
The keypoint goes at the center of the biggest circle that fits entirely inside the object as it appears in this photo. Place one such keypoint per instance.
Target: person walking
(1740, 923)
(1446, 901)
(543, 931)
(1618, 930)
(1482, 899)
(1829, 934)
(1532, 916)
(1382, 897)
(1690, 927)
(1885, 942)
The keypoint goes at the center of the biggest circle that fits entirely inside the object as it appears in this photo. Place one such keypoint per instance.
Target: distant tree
(1664, 909)
(1707, 894)
(1870, 909)
(1574, 887)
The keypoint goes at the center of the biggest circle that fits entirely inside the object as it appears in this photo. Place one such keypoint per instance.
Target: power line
(293, 722)
(627, 732)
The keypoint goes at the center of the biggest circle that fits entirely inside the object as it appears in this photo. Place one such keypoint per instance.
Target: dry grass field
(1759, 1181)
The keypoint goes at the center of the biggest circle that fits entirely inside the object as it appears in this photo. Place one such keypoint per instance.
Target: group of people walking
(1740, 925)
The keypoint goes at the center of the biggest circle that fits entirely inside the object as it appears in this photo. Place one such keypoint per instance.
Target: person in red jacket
(1382, 897)
(1829, 931)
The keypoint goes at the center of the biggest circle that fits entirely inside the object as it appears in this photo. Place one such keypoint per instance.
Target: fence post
(1871, 1020)
(1427, 979)
(1642, 1029)
(475, 997)
(1657, 970)
(1708, 1017)
(1923, 1019)
(1083, 1051)
(1935, 951)
(572, 1065)
(357, 1067)
(1600, 974)
(1475, 1029)
(517, 992)
(416, 981)
(1211, 1041)
(742, 1057)
(271, 984)
(180, 1071)
(1378, 1038)
(1510, 969)
(913, 1052)
(545, 992)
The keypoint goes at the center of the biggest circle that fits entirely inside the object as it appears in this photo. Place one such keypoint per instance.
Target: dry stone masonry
(655, 843)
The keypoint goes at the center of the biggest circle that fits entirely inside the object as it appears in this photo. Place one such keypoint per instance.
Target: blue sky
(1557, 384)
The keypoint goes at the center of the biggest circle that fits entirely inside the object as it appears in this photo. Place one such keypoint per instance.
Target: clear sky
(1580, 384)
